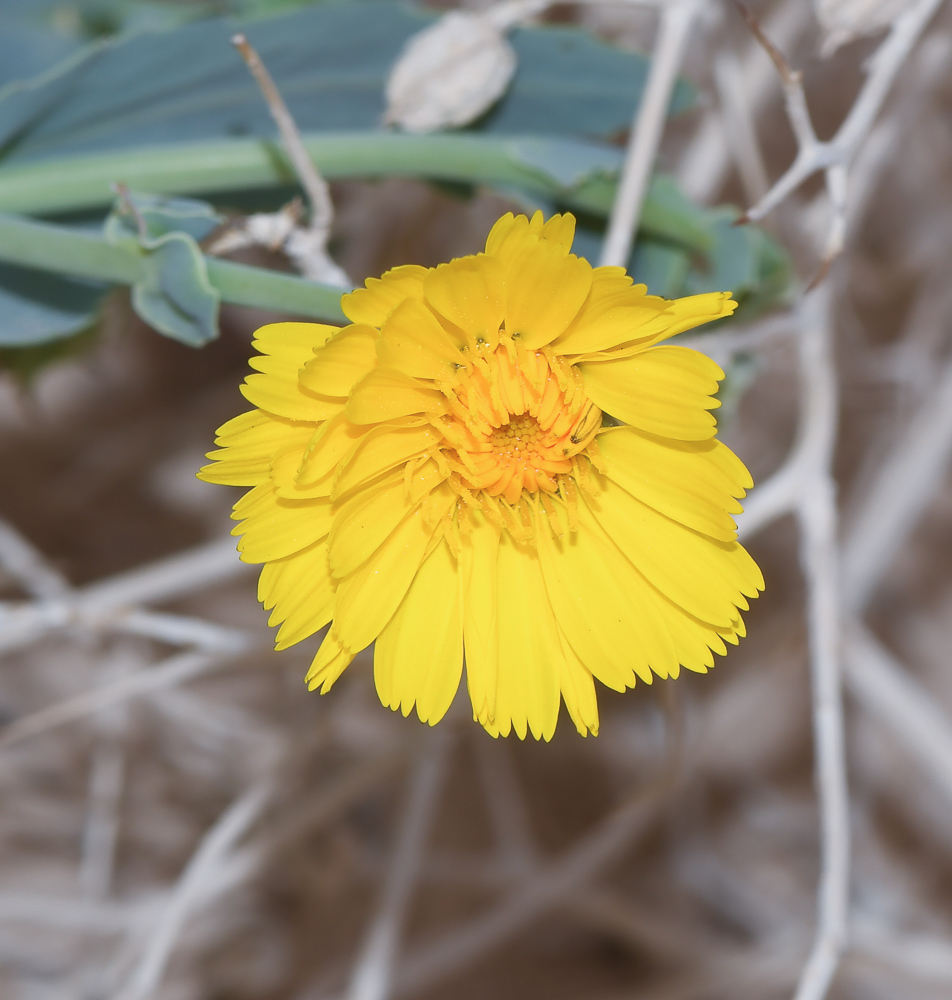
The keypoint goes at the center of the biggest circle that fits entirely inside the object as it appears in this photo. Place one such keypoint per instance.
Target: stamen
(517, 436)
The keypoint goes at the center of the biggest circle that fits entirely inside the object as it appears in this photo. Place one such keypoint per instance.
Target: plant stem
(85, 181)
(87, 255)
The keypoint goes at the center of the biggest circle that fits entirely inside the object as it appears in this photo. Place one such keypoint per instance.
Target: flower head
(494, 462)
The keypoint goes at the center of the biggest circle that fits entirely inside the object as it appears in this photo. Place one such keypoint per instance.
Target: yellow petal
(278, 390)
(689, 568)
(544, 291)
(694, 482)
(413, 342)
(560, 229)
(479, 549)
(512, 233)
(662, 390)
(470, 293)
(373, 304)
(250, 442)
(286, 348)
(605, 608)
(233, 432)
(277, 527)
(368, 598)
(300, 590)
(365, 520)
(578, 691)
(295, 342)
(507, 234)
(418, 657)
(529, 654)
(341, 362)
(615, 312)
(679, 315)
(331, 661)
(695, 641)
(284, 473)
(380, 450)
(327, 446)
(253, 501)
(385, 394)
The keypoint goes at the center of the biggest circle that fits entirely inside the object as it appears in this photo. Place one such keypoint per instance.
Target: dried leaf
(449, 73)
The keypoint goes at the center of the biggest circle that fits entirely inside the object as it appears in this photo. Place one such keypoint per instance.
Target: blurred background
(180, 819)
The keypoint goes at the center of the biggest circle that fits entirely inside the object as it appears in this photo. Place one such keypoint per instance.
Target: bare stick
(814, 155)
(106, 783)
(190, 889)
(706, 161)
(676, 21)
(175, 670)
(739, 124)
(26, 564)
(886, 690)
(903, 489)
(373, 974)
(553, 884)
(817, 516)
(175, 576)
(315, 187)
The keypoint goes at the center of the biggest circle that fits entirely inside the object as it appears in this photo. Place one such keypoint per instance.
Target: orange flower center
(517, 424)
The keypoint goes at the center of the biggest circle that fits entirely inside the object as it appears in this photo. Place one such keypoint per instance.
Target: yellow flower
(443, 476)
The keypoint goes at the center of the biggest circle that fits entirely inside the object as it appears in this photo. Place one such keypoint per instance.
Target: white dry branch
(676, 20)
(373, 973)
(305, 246)
(835, 156)
(816, 513)
(706, 162)
(196, 883)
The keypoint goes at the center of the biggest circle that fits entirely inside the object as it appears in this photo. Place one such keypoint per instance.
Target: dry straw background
(181, 820)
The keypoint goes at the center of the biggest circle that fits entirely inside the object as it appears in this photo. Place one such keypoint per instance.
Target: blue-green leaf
(330, 62)
(37, 307)
(173, 295)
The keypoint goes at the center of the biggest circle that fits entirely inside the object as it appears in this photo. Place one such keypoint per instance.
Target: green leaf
(667, 212)
(743, 259)
(330, 61)
(689, 250)
(37, 308)
(159, 215)
(72, 251)
(173, 293)
(663, 267)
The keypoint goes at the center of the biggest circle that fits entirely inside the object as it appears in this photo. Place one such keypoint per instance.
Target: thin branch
(193, 885)
(26, 564)
(181, 630)
(107, 775)
(814, 155)
(307, 247)
(175, 670)
(506, 805)
(738, 121)
(315, 187)
(886, 690)
(554, 883)
(817, 517)
(903, 489)
(167, 579)
(373, 974)
(787, 76)
(677, 19)
(706, 161)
